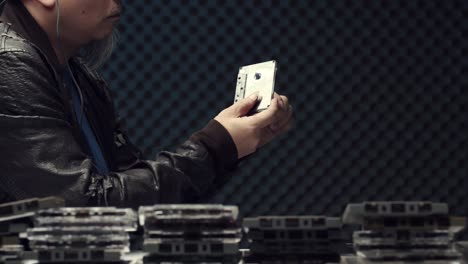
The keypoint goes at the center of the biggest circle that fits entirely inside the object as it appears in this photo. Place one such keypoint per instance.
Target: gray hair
(96, 53)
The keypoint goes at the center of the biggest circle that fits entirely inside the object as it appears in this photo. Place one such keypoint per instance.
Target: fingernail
(254, 96)
(281, 103)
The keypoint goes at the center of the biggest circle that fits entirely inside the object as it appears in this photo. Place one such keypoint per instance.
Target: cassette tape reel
(259, 78)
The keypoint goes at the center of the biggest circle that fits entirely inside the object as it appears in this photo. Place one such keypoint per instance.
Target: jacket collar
(23, 23)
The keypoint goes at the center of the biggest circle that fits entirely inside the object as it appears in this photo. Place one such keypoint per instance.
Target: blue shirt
(96, 152)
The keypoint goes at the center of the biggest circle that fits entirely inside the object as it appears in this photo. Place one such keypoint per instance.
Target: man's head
(81, 23)
(83, 20)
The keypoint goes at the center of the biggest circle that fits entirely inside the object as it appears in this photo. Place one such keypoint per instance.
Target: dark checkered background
(379, 88)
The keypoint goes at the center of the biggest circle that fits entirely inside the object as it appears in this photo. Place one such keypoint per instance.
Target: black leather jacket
(43, 151)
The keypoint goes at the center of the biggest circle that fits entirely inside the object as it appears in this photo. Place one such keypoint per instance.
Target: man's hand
(252, 132)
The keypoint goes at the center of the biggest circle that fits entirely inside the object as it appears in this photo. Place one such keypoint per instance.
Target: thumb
(266, 117)
(242, 107)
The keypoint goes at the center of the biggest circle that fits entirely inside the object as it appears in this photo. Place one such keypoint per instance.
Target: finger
(266, 117)
(287, 125)
(285, 102)
(280, 102)
(285, 110)
(267, 134)
(242, 107)
(282, 119)
(289, 114)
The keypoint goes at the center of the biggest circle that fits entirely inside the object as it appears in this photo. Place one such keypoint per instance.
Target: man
(58, 130)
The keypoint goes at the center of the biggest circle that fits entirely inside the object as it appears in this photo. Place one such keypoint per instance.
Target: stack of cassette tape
(462, 247)
(294, 239)
(16, 218)
(404, 231)
(81, 235)
(190, 233)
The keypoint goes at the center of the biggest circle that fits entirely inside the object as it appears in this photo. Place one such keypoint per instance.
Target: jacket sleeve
(39, 154)
(192, 172)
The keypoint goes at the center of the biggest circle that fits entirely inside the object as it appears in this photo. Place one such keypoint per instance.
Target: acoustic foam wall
(379, 88)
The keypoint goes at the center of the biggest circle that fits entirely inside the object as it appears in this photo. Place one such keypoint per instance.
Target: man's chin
(104, 34)
(99, 50)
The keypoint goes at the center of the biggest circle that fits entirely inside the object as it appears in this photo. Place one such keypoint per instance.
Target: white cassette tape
(259, 78)
(26, 208)
(358, 213)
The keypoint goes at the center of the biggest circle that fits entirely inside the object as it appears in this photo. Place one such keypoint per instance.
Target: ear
(47, 3)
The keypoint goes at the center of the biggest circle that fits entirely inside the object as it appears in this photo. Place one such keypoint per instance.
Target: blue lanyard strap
(96, 151)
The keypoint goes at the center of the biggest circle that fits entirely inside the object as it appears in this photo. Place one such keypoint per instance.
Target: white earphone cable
(62, 53)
